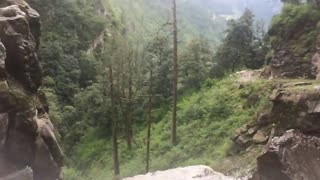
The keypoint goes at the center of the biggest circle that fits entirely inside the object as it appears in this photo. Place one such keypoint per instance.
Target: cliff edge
(28, 147)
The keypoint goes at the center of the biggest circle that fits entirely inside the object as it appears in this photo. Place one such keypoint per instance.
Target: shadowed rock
(19, 32)
(25, 174)
(293, 156)
(26, 137)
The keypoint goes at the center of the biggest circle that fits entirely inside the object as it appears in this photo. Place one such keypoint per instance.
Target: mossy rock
(4, 86)
(20, 100)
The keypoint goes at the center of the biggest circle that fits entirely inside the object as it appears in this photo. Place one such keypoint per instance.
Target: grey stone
(260, 137)
(293, 156)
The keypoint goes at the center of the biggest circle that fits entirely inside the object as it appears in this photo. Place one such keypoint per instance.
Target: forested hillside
(204, 18)
(109, 73)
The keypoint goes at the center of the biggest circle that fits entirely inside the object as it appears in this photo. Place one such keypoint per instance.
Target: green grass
(206, 121)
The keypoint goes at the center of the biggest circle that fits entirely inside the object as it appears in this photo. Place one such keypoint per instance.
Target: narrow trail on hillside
(99, 40)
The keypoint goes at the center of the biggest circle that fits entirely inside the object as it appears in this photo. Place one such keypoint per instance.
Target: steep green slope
(76, 85)
(144, 18)
(196, 18)
(64, 43)
(207, 120)
(69, 29)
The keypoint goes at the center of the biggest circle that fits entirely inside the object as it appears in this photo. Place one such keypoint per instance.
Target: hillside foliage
(91, 89)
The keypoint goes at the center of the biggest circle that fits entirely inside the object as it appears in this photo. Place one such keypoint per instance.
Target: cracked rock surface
(28, 146)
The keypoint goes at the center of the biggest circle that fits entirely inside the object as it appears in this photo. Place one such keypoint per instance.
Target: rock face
(186, 173)
(285, 64)
(293, 49)
(293, 156)
(25, 174)
(26, 133)
(296, 105)
(290, 154)
(19, 32)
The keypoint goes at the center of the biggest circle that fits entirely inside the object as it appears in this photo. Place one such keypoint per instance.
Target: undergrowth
(207, 120)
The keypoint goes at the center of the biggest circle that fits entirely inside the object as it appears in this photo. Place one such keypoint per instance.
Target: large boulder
(293, 156)
(19, 32)
(185, 173)
(27, 136)
(296, 106)
(25, 174)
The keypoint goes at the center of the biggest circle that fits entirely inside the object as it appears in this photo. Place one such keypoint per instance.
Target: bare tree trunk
(149, 121)
(114, 128)
(129, 120)
(126, 107)
(175, 74)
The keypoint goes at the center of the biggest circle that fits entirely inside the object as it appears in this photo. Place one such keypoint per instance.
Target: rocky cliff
(292, 126)
(289, 130)
(294, 43)
(292, 156)
(27, 142)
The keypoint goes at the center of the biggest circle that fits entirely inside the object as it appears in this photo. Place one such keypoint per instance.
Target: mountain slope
(196, 18)
(213, 111)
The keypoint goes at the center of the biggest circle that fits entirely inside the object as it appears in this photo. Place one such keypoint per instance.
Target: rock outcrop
(293, 46)
(26, 133)
(19, 32)
(25, 174)
(293, 156)
(186, 173)
(296, 105)
(285, 64)
(290, 154)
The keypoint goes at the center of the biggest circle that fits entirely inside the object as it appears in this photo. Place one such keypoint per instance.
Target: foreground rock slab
(293, 156)
(25, 174)
(185, 173)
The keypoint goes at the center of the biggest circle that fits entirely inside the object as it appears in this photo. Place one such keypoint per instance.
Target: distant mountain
(263, 9)
(206, 18)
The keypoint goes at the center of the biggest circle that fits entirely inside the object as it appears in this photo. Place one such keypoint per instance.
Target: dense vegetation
(144, 17)
(211, 114)
(99, 64)
(285, 28)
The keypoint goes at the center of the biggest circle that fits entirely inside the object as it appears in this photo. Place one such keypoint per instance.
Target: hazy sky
(263, 9)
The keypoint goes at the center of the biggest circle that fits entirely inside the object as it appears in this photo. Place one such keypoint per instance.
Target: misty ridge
(263, 9)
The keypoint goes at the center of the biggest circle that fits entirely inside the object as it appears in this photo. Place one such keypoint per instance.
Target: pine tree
(116, 163)
(149, 120)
